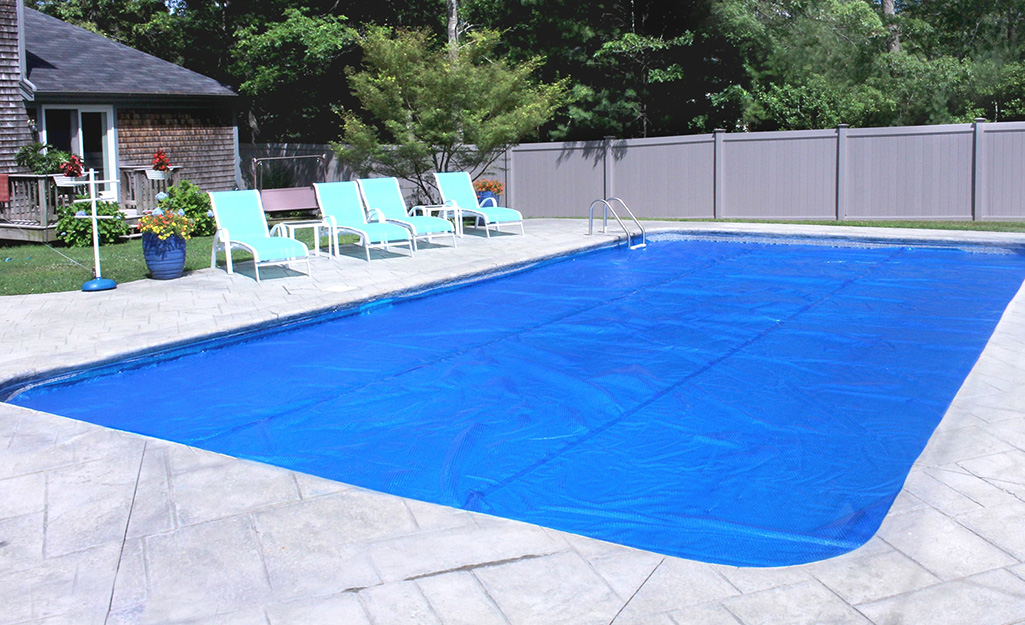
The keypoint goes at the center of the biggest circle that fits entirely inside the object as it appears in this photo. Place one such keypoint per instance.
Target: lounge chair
(241, 224)
(457, 190)
(384, 199)
(342, 210)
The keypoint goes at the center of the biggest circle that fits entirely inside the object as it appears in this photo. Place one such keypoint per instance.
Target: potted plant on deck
(71, 171)
(161, 166)
(164, 232)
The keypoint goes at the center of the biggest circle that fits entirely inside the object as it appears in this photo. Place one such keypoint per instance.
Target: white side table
(290, 227)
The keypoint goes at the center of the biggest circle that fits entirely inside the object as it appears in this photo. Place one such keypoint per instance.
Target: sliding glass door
(84, 130)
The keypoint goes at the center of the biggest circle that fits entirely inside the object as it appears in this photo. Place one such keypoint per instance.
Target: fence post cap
(843, 125)
(980, 120)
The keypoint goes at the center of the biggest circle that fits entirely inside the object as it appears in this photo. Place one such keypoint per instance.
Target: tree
(426, 113)
(289, 67)
(640, 60)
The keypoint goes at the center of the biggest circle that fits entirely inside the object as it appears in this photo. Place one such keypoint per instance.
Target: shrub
(185, 196)
(41, 158)
(78, 232)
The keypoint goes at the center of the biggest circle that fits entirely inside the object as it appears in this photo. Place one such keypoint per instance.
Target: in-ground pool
(735, 402)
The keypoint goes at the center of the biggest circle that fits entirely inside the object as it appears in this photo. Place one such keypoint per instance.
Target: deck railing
(139, 193)
(34, 199)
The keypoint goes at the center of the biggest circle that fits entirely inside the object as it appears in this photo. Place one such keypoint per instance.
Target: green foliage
(426, 112)
(301, 47)
(642, 61)
(41, 159)
(291, 66)
(77, 232)
(186, 196)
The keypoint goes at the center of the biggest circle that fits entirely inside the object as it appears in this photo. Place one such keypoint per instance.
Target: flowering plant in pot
(488, 189)
(161, 166)
(164, 233)
(70, 169)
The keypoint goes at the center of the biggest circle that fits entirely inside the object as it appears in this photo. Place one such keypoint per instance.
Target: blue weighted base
(99, 284)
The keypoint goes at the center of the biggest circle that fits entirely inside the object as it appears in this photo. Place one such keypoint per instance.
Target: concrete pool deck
(99, 526)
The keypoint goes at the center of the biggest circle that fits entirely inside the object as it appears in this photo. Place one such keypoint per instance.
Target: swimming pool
(732, 402)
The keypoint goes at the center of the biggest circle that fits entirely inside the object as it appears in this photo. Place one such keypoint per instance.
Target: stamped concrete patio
(99, 526)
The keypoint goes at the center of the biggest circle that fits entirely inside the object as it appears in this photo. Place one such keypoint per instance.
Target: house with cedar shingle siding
(111, 104)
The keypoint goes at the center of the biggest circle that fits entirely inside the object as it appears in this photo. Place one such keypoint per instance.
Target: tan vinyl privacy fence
(952, 172)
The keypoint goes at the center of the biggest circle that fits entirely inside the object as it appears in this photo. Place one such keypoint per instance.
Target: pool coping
(539, 575)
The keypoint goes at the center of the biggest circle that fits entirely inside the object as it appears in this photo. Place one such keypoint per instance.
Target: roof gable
(65, 59)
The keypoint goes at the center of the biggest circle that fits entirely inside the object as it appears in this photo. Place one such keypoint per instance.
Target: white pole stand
(98, 283)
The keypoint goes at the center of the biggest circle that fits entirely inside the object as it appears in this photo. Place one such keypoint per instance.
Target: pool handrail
(607, 202)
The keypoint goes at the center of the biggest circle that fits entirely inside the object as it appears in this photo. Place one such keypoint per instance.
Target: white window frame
(110, 136)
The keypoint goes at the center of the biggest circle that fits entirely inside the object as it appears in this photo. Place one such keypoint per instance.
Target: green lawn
(37, 268)
(42, 269)
(28, 268)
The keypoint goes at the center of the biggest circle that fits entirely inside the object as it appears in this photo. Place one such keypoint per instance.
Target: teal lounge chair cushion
(273, 248)
(383, 194)
(383, 232)
(457, 187)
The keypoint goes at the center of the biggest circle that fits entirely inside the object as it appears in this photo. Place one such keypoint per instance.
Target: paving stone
(21, 538)
(625, 569)
(937, 494)
(435, 552)
(1004, 470)
(957, 444)
(152, 509)
(747, 579)
(78, 584)
(88, 504)
(973, 487)
(228, 553)
(342, 609)
(214, 492)
(130, 583)
(18, 461)
(556, 590)
(1003, 526)
(138, 616)
(429, 516)
(401, 604)
(22, 495)
(704, 614)
(941, 545)
(316, 547)
(806, 603)
(459, 599)
(992, 598)
(1010, 431)
(312, 486)
(874, 576)
(678, 583)
(183, 459)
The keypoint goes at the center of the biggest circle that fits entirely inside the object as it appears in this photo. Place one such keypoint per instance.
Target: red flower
(160, 161)
(72, 167)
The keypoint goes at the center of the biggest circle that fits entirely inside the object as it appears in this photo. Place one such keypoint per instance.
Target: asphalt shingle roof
(66, 59)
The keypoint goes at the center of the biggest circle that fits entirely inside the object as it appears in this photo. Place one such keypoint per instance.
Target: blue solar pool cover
(741, 403)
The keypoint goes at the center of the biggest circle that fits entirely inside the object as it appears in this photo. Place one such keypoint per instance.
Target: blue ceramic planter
(165, 259)
(483, 195)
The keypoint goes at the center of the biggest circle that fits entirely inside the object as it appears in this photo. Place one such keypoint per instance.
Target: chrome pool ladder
(607, 203)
